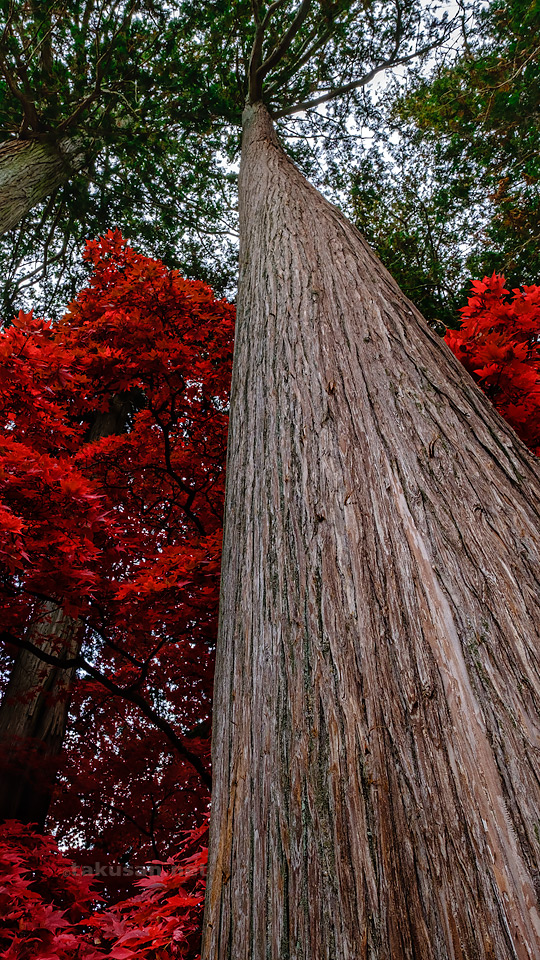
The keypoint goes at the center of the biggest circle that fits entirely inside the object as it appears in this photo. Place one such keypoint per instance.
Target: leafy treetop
(155, 94)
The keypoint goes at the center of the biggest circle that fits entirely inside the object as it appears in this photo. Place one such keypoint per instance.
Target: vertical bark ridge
(375, 744)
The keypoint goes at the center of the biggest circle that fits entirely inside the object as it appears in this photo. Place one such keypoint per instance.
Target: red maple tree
(123, 533)
(499, 344)
(50, 910)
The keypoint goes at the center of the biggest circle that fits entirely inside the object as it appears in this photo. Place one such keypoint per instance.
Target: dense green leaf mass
(416, 223)
(112, 76)
(155, 92)
(459, 195)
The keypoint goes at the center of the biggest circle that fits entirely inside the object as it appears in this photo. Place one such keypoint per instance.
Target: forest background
(453, 197)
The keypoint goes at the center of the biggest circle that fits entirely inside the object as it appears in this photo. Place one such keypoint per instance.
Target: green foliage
(155, 92)
(178, 209)
(113, 76)
(486, 111)
(467, 166)
(411, 212)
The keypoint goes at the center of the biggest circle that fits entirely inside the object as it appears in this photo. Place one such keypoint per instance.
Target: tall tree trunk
(35, 706)
(375, 745)
(30, 170)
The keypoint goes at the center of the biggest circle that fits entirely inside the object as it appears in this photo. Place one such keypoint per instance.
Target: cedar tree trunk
(375, 745)
(35, 706)
(30, 170)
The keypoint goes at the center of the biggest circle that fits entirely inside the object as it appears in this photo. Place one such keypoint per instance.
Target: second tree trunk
(34, 708)
(31, 170)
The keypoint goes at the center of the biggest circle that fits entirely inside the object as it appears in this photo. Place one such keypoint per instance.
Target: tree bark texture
(31, 170)
(33, 718)
(375, 744)
(35, 705)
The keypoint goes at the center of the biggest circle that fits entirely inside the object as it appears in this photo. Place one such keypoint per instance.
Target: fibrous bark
(34, 708)
(375, 744)
(33, 718)
(31, 170)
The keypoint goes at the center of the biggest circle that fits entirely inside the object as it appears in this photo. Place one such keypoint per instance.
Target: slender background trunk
(34, 709)
(33, 718)
(375, 744)
(30, 170)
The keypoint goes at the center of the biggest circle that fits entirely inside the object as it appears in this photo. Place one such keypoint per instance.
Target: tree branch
(271, 11)
(304, 54)
(281, 48)
(31, 118)
(254, 84)
(128, 694)
(355, 84)
(101, 66)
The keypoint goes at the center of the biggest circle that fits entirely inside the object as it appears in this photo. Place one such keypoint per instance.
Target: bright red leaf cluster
(499, 344)
(50, 910)
(77, 516)
(113, 426)
(42, 900)
(164, 920)
(123, 531)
